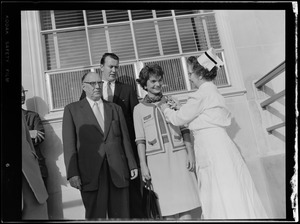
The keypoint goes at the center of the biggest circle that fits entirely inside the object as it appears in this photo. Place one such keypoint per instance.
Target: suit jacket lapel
(89, 114)
(107, 118)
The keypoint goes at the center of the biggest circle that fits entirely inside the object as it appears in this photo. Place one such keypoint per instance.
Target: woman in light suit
(165, 152)
(225, 185)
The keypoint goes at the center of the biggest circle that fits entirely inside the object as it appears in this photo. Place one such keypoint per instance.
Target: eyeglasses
(93, 84)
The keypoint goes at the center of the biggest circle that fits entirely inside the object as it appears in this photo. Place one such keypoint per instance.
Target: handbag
(150, 202)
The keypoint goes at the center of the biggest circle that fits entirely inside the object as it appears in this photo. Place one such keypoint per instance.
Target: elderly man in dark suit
(98, 153)
(125, 96)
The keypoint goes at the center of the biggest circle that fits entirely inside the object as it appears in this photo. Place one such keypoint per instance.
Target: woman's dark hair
(199, 70)
(147, 71)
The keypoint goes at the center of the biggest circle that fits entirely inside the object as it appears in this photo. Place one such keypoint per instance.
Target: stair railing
(262, 82)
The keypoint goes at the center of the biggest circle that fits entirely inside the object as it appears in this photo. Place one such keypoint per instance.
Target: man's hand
(37, 135)
(134, 173)
(75, 182)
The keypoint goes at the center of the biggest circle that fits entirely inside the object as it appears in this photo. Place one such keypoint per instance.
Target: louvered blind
(185, 12)
(45, 18)
(68, 18)
(146, 40)
(212, 29)
(141, 14)
(192, 34)
(50, 58)
(65, 87)
(98, 48)
(163, 13)
(168, 37)
(71, 42)
(94, 17)
(121, 41)
(73, 49)
(114, 16)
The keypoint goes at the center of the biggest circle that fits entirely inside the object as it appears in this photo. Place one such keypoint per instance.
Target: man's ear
(101, 67)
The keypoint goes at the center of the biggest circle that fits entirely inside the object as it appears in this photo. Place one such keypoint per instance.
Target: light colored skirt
(174, 184)
(226, 188)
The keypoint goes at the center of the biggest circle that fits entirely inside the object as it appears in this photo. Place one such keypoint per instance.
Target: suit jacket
(125, 96)
(34, 122)
(85, 144)
(30, 165)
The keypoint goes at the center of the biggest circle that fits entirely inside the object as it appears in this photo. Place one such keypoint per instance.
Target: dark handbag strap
(148, 184)
(153, 210)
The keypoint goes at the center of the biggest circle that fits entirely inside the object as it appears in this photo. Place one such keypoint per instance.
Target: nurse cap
(209, 59)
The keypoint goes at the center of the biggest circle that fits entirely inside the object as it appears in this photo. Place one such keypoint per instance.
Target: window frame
(41, 87)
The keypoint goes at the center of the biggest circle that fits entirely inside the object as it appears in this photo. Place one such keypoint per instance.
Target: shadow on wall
(32, 102)
(52, 150)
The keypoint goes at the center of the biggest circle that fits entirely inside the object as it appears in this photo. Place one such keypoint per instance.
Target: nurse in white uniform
(225, 186)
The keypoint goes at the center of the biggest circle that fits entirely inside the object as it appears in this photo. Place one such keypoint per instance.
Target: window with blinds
(75, 40)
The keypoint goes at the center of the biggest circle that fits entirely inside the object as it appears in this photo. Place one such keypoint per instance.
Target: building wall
(260, 46)
(255, 41)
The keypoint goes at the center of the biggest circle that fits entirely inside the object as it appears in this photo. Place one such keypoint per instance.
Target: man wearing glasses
(125, 96)
(97, 151)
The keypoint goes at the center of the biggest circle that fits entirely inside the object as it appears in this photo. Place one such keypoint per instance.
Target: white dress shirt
(100, 103)
(112, 85)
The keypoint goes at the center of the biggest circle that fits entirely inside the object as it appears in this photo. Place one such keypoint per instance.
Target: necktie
(109, 92)
(98, 115)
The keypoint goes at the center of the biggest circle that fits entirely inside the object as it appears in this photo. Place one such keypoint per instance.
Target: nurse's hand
(174, 103)
(164, 106)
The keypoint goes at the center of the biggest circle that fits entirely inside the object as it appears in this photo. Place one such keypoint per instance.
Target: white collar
(91, 102)
(112, 83)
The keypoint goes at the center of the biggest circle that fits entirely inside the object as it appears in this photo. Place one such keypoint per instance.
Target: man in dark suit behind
(98, 155)
(37, 134)
(34, 193)
(125, 96)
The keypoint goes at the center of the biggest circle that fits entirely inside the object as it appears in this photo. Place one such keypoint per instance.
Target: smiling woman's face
(154, 85)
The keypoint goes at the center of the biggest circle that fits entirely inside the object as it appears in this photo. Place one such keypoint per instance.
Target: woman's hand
(145, 172)
(190, 162)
